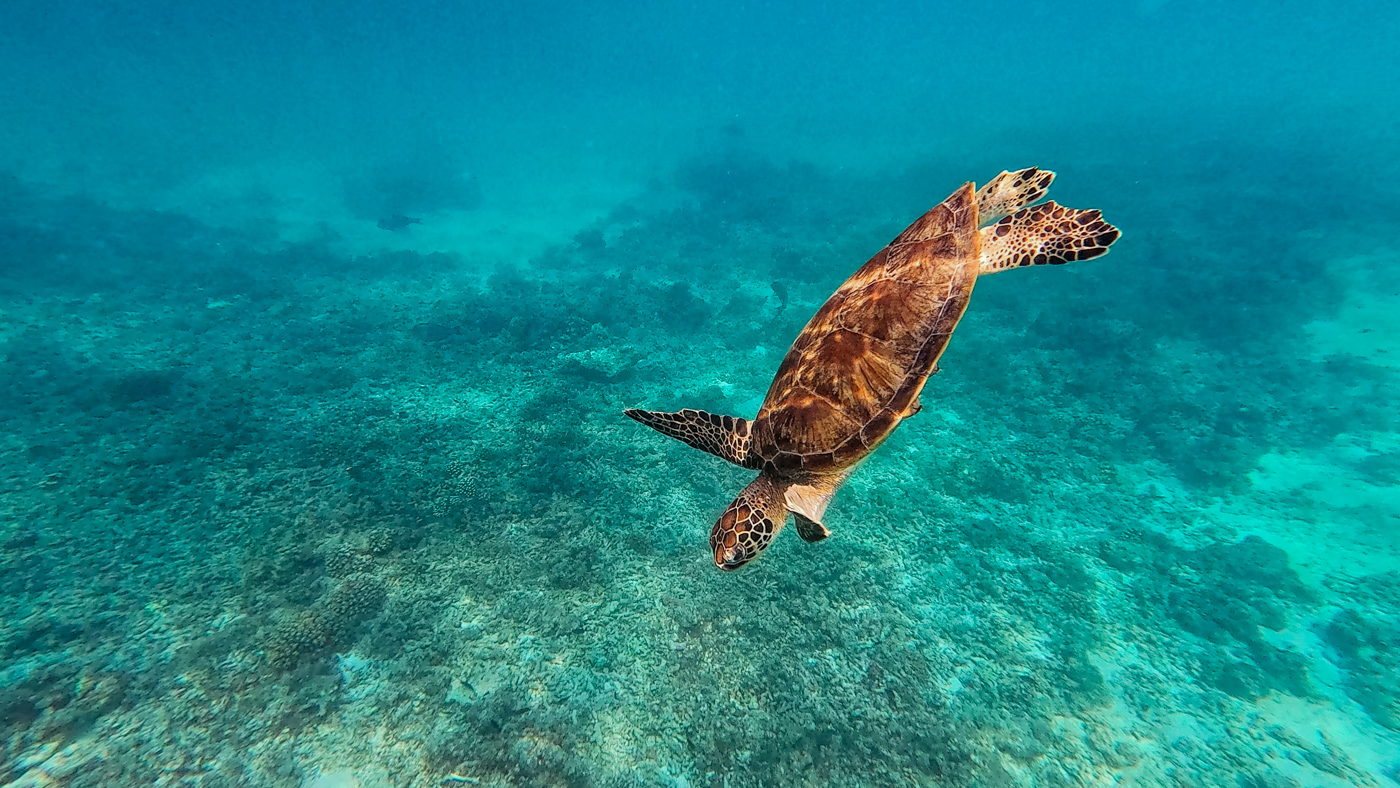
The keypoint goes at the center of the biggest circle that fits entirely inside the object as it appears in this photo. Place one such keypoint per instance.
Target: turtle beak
(730, 559)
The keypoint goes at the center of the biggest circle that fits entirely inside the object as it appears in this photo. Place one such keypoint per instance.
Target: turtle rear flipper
(1045, 234)
(1009, 192)
(723, 436)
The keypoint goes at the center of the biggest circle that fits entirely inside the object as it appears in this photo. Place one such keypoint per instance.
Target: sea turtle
(856, 370)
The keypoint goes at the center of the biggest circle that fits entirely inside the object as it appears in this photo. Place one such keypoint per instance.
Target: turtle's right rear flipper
(723, 436)
(1044, 234)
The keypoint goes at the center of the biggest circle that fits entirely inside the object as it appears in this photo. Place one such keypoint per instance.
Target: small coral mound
(358, 597)
(329, 624)
(295, 638)
(342, 561)
(379, 540)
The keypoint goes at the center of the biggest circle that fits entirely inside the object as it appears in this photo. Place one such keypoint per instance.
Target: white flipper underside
(808, 505)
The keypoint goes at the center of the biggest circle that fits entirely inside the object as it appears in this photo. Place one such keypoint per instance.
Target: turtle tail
(723, 436)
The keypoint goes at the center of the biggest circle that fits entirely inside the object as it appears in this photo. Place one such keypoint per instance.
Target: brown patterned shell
(856, 370)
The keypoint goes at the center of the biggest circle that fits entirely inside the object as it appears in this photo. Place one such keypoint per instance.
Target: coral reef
(280, 514)
(1370, 652)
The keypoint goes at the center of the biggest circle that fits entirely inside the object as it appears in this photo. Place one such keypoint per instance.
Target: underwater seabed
(295, 516)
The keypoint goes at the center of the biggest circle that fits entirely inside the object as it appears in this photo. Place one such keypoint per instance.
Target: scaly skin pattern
(1011, 191)
(1045, 234)
(723, 436)
(749, 524)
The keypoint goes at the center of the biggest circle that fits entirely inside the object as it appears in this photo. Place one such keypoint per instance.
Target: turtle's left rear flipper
(723, 436)
(1009, 192)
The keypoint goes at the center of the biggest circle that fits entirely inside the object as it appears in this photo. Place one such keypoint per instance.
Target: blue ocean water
(317, 323)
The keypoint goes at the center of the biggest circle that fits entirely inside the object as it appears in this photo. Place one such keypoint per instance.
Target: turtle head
(749, 524)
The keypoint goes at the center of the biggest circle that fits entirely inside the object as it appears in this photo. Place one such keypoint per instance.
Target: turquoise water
(297, 491)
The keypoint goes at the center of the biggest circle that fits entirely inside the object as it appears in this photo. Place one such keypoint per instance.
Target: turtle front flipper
(723, 436)
(1045, 234)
